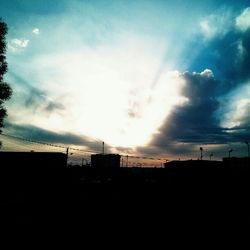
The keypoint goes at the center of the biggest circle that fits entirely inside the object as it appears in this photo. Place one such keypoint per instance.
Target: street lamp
(248, 153)
(229, 152)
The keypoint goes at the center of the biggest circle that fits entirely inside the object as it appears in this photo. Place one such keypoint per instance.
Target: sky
(148, 77)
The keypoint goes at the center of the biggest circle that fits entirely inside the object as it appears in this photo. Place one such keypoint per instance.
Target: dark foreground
(197, 197)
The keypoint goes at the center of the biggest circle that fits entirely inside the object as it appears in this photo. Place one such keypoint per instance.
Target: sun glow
(108, 92)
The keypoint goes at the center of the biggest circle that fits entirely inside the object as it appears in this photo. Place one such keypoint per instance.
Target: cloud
(191, 122)
(242, 22)
(36, 31)
(33, 98)
(38, 101)
(17, 44)
(216, 25)
(109, 86)
(237, 106)
(52, 106)
(228, 57)
(41, 135)
(242, 52)
(22, 43)
(196, 122)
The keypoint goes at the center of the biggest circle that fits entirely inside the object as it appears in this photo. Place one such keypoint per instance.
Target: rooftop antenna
(201, 149)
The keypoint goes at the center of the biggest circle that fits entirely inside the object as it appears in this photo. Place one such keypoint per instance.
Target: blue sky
(154, 77)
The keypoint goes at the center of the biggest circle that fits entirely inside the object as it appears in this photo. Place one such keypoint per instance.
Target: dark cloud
(125, 150)
(197, 122)
(191, 121)
(42, 135)
(51, 106)
(168, 149)
(228, 57)
(35, 98)
(233, 58)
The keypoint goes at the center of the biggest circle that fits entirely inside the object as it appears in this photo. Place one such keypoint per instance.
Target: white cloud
(216, 25)
(208, 73)
(237, 115)
(238, 107)
(16, 44)
(242, 52)
(36, 31)
(243, 20)
(22, 43)
(207, 30)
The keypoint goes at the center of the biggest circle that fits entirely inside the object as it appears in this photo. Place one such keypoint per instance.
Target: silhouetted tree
(5, 90)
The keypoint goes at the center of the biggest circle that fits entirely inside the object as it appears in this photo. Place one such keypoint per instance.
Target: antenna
(201, 149)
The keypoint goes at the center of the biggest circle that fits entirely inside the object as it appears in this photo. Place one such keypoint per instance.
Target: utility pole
(103, 147)
(211, 156)
(127, 161)
(67, 155)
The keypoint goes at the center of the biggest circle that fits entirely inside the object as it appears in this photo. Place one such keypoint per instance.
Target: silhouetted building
(33, 160)
(192, 163)
(194, 168)
(105, 161)
(237, 162)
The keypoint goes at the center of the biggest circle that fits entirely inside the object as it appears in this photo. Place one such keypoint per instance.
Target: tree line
(5, 89)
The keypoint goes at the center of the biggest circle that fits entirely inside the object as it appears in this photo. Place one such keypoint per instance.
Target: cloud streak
(32, 98)
(64, 139)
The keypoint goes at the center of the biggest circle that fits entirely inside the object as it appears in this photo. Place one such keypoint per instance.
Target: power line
(33, 141)
(46, 144)
(78, 149)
